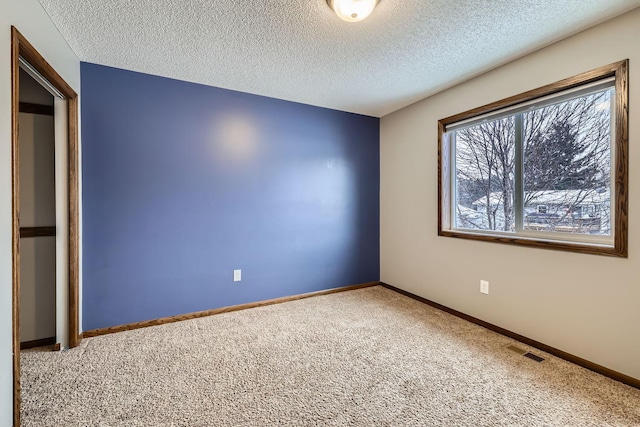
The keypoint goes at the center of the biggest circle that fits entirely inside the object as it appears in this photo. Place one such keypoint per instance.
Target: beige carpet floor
(369, 357)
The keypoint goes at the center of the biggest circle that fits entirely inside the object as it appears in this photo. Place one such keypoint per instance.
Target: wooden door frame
(20, 47)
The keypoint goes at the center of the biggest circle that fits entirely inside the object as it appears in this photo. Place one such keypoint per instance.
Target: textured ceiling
(299, 50)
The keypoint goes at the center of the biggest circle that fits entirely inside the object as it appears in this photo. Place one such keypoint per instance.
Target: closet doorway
(36, 172)
(45, 223)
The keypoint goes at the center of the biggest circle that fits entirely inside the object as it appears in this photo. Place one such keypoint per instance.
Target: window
(546, 168)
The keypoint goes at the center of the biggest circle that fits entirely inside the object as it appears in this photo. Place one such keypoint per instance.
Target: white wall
(31, 20)
(586, 305)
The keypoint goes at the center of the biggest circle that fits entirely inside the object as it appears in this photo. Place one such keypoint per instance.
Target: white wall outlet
(237, 275)
(484, 287)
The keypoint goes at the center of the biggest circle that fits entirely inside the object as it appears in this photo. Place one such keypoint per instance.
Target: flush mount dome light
(352, 10)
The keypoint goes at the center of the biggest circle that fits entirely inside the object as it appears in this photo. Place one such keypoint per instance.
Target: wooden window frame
(620, 72)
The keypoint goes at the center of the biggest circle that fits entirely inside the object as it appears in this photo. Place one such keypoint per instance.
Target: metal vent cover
(534, 357)
(525, 353)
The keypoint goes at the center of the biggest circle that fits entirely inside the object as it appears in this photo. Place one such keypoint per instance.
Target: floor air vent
(525, 353)
(534, 357)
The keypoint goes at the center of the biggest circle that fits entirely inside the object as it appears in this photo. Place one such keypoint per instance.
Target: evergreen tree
(557, 160)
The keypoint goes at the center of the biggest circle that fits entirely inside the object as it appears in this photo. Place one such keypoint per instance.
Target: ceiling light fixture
(352, 10)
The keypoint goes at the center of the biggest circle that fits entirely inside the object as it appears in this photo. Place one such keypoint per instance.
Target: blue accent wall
(183, 183)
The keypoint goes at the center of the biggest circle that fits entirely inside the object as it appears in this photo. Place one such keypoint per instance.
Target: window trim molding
(620, 71)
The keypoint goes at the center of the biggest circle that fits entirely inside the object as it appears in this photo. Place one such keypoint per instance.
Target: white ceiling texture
(299, 50)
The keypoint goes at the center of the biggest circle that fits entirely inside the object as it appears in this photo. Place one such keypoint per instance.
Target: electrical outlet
(237, 275)
(484, 287)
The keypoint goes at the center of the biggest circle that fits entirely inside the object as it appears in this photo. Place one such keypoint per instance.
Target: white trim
(62, 221)
(588, 240)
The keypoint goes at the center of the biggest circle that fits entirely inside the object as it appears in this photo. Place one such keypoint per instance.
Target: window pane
(567, 166)
(484, 175)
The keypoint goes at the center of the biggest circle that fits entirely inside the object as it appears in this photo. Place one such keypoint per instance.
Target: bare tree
(485, 156)
(566, 160)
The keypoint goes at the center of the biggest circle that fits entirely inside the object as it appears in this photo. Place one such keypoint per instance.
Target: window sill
(616, 250)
